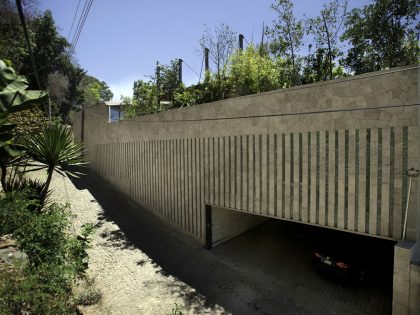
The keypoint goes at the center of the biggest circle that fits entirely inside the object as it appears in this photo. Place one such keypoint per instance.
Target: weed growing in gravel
(89, 294)
(176, 310)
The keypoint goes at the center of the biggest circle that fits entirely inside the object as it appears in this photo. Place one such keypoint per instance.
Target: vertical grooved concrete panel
(336, 157)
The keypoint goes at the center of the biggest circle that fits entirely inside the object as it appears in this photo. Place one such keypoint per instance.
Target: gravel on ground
(129, 280)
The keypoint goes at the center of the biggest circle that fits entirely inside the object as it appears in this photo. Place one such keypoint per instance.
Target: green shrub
(13, 211)
(25, 290)
(33, 189)
(56, 258)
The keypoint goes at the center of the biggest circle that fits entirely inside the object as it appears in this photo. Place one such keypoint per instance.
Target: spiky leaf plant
(54, 150)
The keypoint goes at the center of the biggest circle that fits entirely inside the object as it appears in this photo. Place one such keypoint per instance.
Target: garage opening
(280, 254)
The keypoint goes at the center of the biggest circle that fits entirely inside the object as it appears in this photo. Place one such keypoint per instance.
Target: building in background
(114, 111)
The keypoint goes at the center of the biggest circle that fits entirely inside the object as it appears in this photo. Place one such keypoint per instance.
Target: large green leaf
(13, 98)
(13, 93)
(14, 101)
(10, 150)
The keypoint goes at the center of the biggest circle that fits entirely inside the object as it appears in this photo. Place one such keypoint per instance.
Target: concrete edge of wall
(227, 223)
(185, 110)
(406, 287)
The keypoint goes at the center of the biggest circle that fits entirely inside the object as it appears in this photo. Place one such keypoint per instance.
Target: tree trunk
(329, 48)
(44, 193)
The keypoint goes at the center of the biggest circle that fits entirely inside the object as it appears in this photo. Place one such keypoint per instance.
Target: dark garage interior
(279, 254)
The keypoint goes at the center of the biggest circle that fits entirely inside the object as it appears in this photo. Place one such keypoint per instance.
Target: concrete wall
(330, 154)
(406, 293)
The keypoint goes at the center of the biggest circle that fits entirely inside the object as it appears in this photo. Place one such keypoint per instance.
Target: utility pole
(262, 41)
(206, 64)
(206, 59)
(158, 82)
(241, 42)
(179, 71)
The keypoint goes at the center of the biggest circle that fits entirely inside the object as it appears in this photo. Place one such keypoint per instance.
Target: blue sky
(122, 40)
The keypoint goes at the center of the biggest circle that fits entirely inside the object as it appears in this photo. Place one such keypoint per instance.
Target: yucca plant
(54, 150)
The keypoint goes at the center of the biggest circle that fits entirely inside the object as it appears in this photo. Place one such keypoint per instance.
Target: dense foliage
(56, 258)
(14, 98)
(68, 85)
(383, 34)
(339, 43)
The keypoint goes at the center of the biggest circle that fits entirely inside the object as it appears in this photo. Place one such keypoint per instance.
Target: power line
(81, 26)
(78, 24)
(74, 18)
(211, 70)
(191, 69)
(74, 41)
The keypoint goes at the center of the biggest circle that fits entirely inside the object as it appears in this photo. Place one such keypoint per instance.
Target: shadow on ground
(264, 271)
(182, 257)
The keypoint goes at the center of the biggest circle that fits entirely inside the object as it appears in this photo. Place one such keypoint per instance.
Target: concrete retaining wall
(330, 154)
(406, 293)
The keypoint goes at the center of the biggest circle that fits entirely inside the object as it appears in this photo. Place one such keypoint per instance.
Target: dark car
(343, 256)
(337, 261)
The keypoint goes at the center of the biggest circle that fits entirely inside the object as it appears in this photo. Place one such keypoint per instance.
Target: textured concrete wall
(331, 154)
(406, 292)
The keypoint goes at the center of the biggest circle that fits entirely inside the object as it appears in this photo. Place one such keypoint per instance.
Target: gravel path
(144, 265)
(130, 281)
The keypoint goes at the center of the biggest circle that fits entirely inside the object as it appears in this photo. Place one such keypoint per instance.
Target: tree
(94, 91)
(325, 29)
(221, 43)
(317, 69)
(58, 87)
(105, 93)
(12, 41)
(75, 75)
(287, 33)
(383, 34)
(130, 107)
(145, 97)
(49, 49)
(250, 72)
(50, 52)
(91, 93)
(188, 96)
(168, 80)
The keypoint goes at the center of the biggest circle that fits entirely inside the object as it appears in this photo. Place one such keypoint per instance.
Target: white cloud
(123, 86)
